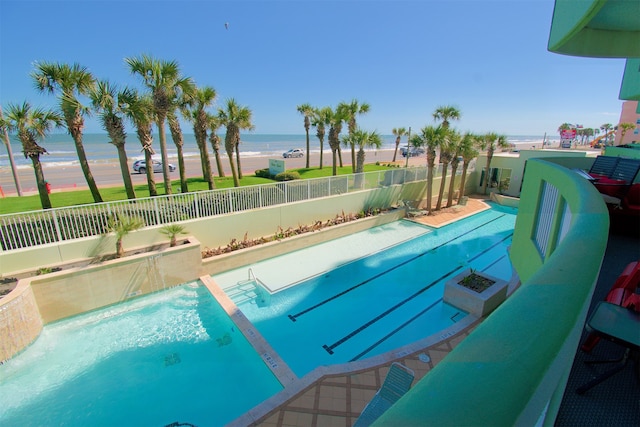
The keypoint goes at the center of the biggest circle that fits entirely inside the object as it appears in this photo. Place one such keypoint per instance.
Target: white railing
(28, 229)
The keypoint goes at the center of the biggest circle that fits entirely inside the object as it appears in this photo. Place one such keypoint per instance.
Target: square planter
(479, 297)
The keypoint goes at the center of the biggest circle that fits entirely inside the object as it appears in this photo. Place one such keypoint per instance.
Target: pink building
(629, 114)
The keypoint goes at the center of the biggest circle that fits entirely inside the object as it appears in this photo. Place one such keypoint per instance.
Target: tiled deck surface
(338, 400)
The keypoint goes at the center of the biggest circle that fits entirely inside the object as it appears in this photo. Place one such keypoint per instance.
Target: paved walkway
(337, 399)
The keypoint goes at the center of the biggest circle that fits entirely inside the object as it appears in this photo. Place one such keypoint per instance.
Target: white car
(294, 152)
(140, 166)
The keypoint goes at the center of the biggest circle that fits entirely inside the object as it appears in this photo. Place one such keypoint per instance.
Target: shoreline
(107, 174)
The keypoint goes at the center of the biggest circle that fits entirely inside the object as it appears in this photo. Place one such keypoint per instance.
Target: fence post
(230, 201)
(155, 208)
(55, 222)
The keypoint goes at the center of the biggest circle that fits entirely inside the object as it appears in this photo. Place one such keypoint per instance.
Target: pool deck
(337, 399)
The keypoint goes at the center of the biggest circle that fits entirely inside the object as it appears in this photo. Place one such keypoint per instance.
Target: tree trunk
(463, 180)
(84, 165)
(353, 158)
(238, 160)
(487, 173)
(452, 184)
(215, 145)
(306, 128)
(236, 181)
(119, 248)
(395, 152)
(163, 154)
(321, 152)
(151, 183)
(176, 136)
(443, 184)
(42, 184)
(124, 170)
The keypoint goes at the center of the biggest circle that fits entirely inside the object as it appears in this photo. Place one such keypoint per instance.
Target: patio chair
(412, 208)
(614, 177)
(396, 384)
(623, 292)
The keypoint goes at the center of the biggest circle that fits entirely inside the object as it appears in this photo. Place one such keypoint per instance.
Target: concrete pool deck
(337, 399)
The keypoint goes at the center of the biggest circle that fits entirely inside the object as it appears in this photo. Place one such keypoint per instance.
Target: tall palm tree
(467, 150)
(320, 119)
(164, 81)
(104, 98)
(561, 128)
(399, 133)
(351, 111)
(624, 128)
(214, 139)
(456, 142)
(429, 137)
(606, 128)
(69, 81)
(336, 118)
(446, 113)
(307, 111)
(234, 117)
(178, 141)
(363, 139)
(197, 112)
(139, 109)
(32, 124)
(490, 143)
(447, 150)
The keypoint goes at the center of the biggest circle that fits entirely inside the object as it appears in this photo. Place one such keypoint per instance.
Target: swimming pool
(353, 301)
(174, 356)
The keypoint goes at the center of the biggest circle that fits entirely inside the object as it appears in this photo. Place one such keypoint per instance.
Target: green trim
(516, 362)
(630, 87)
(596, 28)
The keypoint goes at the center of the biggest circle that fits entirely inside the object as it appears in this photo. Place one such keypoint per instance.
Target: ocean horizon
(61, 148)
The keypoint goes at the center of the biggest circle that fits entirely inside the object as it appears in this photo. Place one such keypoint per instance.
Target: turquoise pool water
(173, 356)
(349, 306)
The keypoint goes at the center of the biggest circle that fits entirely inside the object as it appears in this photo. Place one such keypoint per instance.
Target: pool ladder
(252, 290)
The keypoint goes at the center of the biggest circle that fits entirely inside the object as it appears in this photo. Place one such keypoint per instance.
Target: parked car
(140, 166)
(294, 152)
(413, 151)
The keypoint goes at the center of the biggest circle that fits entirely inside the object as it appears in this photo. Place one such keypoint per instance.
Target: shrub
(287, 176)
(264, 173)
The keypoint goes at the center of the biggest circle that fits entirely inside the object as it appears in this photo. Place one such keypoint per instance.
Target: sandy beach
(107, 174)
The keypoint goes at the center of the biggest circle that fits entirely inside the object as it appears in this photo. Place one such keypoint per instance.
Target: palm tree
(563, 127)
(320, 119)
(446, 113)
(429, 137)
(70, 81)
(350, 111)
(362, 139)
(235, 117)
(624, 128)
(172, 231)
(104, 98)
(447, 151)
(399, 133)
(164, 81)
(490, 142)
(197, 113)
(121, 225)
(456, 141)
(307, 111)
(14, 169)
(32, 124)
(606, 128)
(139, 109)
(335, 120)
(467, 150)
(214, 139)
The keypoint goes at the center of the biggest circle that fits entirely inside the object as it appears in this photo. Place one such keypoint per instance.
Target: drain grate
(172, 359)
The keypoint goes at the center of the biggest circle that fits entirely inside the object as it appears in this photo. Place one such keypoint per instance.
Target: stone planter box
(472, 301)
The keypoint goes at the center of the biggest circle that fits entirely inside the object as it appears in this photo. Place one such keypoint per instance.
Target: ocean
(61, 149)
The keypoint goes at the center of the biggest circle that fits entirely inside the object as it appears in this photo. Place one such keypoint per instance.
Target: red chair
(624, 293)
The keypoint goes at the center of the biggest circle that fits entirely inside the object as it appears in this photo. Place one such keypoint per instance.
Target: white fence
(36, 228)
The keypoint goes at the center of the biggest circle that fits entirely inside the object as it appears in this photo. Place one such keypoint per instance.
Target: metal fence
(36, 228)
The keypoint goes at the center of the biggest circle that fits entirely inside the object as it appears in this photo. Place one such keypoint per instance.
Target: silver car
(294, 152)
(140, 166)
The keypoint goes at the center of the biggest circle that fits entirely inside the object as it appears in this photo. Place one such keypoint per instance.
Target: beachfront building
(630, 114)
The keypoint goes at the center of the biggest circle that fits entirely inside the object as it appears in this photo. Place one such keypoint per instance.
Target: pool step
(249, 291)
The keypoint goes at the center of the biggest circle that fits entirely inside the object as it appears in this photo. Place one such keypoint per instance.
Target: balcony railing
(29, 229)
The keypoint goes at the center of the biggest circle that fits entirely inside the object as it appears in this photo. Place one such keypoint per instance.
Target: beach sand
(107, 174)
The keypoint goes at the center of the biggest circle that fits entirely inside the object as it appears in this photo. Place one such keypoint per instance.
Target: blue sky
(488, 58)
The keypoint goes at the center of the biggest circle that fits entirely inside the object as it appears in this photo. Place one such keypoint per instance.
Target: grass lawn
(15, 204)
